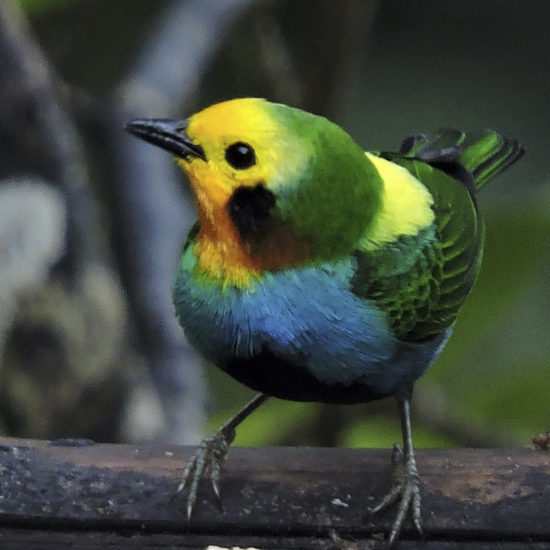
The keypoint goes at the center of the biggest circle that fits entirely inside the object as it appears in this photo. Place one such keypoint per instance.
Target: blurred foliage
(423, 65)
(37, 7)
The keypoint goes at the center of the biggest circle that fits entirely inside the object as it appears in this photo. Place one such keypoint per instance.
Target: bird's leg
(405, 478)
(211, 453)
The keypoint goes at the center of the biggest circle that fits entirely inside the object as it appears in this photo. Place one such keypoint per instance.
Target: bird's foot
(406, 489)
(209, 457)
(207, 460)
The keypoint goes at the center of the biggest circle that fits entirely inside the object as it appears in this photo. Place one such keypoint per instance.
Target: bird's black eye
(240, 155)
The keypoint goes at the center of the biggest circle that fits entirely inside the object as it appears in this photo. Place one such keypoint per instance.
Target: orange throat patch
(222, 254)
(222, 251)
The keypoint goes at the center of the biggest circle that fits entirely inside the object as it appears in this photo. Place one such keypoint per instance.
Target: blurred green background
(383, 70)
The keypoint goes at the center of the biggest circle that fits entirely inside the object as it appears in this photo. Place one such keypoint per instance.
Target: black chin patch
(249, 209)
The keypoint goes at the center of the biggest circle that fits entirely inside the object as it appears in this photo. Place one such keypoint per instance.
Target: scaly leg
(211, 454)
(405, 478)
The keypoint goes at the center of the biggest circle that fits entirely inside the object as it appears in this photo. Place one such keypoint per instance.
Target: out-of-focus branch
(320, 72)
(152, 215)
(63, 341)
(343, 37)
(38, 134)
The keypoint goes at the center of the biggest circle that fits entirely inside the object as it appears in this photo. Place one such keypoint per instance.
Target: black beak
(166, 134)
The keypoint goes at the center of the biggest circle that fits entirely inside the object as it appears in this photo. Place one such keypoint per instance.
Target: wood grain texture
(67, 493)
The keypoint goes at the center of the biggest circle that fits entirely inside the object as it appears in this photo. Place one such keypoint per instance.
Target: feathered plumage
(318, 271)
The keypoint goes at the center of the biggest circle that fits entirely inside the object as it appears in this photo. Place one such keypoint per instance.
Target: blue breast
(299, 334)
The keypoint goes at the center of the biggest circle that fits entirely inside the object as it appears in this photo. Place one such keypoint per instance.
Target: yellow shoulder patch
(406, 205)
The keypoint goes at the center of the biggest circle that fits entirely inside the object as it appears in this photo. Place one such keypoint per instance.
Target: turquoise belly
(299, 334)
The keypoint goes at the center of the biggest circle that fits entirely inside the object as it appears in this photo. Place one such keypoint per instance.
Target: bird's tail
(483, 158)
(489, 156)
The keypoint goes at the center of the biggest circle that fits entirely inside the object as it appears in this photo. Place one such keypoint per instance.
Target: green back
(330, 178)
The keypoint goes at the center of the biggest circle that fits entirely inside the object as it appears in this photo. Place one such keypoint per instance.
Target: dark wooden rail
(58, 495)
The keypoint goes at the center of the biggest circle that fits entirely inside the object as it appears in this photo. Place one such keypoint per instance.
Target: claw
(207, 460)
(397, 465)
(405, 482)
(210, 456)
(406, 489)
(216, 475)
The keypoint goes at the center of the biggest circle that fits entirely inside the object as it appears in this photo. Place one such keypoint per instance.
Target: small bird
(320, 272)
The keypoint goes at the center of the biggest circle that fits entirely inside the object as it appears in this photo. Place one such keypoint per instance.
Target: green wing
(421, 281)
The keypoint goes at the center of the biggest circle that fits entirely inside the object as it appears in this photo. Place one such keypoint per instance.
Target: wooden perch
(80, 494)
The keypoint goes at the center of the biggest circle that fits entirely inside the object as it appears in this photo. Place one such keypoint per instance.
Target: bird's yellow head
(244, 145)
(274, 186)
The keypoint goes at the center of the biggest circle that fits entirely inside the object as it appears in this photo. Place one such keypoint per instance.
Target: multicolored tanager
(319, 272)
